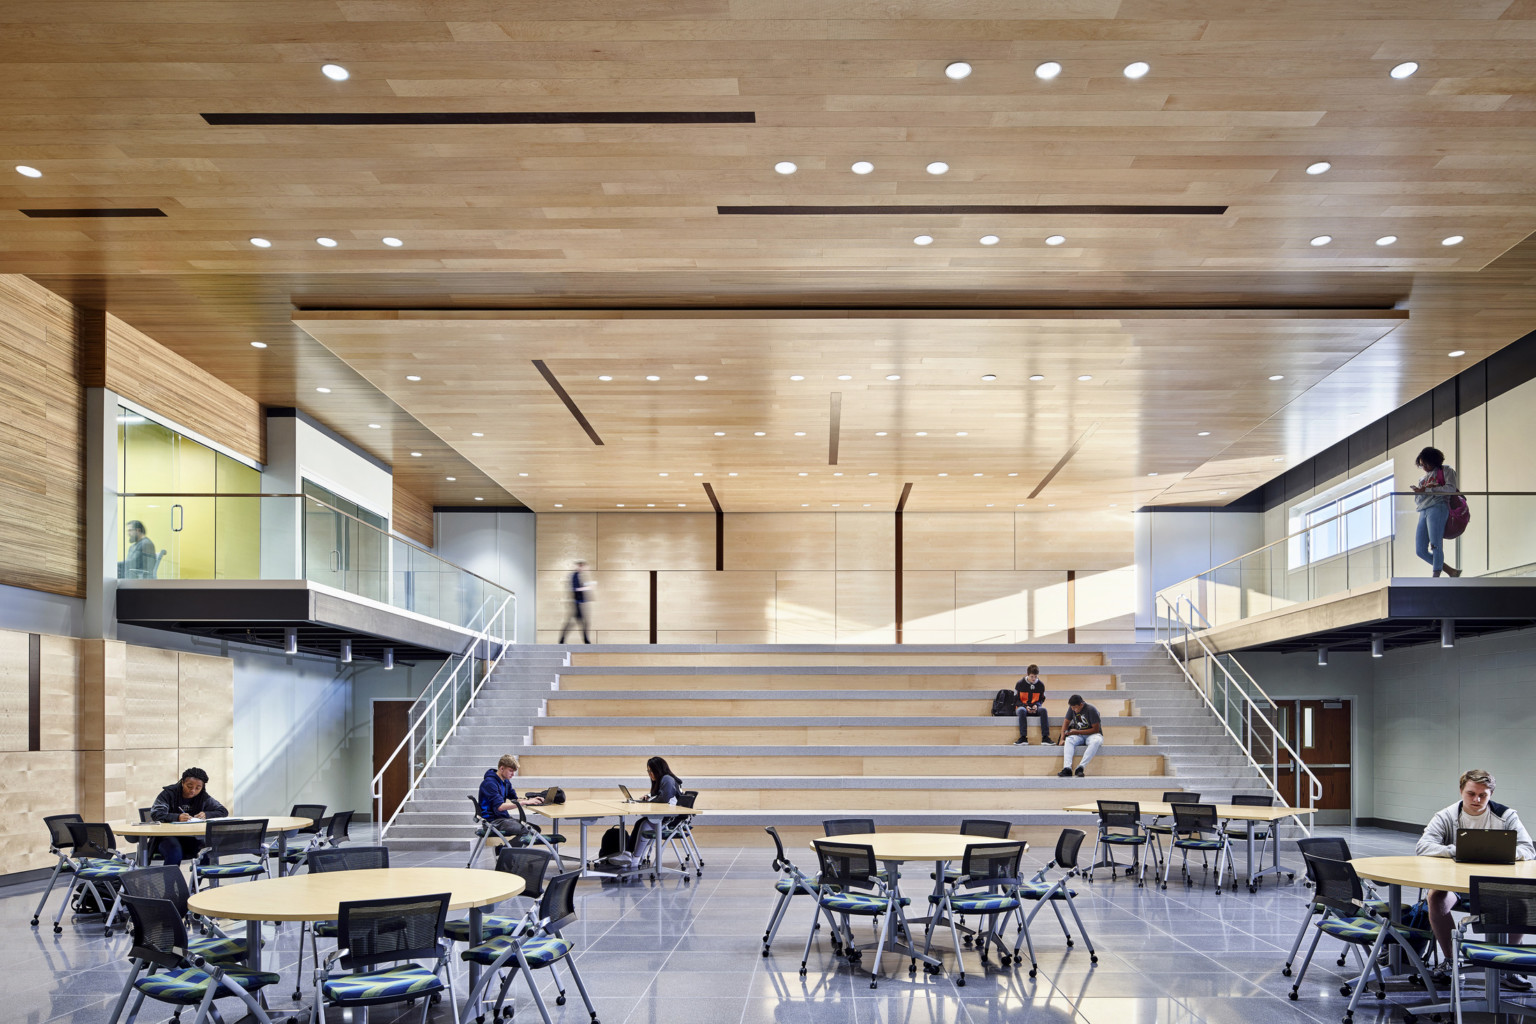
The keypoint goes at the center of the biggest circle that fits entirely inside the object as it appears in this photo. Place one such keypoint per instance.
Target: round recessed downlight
(1055, 239)
(799, 433)
(1085, 376)
(989, 239)
(258, 344)
(880, 433)
(558, 505)
(802, 474)
(1151, 474)
(391, 241)
(958, 70)
(1404, 70)
(329, 243)
(412, 376)
(943, 474)
(451, 479)
(700, 376)
(415, 455)
(785, 167)
(719, 433)
(922, 433)
(1037, 376)
(652, 376)
(1048, 70)
(797, 376)
(476, 433)
(520, 474)
(1321, 167)
(938, 167)
(335, 72)
(323, 391)
(893, 376)
(478, 498)
(862, 167)
(661, 474)
(1013, 474)
(1386, 240)
(1453, 240)
(874, 474)
(978, 474)
(1203, 433)
(261, 243)
(989, 376)
(1277, 376)
(731, 474)
(759, 433)
(923, 240)
(375, 426)
(604, 376)
(1137, 69)
(30, 172)
(1319, 240)
(960, 433)
(1457, 354)
(845, 376)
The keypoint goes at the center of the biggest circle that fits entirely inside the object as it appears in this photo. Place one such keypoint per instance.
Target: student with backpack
(1438, 500)
(1031, 691)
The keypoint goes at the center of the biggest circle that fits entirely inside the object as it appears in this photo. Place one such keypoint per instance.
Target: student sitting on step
(1081, 729)
(1031, 691)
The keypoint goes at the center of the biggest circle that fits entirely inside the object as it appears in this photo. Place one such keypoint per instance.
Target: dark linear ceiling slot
(900, 211)
(906, 492)
(448, 117)
(834, 428)
(122, 211)
(1062, 462)
(570, 403)
(713, 499)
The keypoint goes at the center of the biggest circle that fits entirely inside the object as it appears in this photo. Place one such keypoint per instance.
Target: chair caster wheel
(1293, 995)
(967, 940)
(57, 930)
(434, 999)
(1005, 959)
(960, 981)
(1069, 943)
(874, 984)
(560, 1001)
(297, 995)
(1253, 888)
(1343, 990)
(1381, 995)
(1409, 1018)
(34, 922)
(765, 951)
(1032, 972)
(912, 967)
(1165, 887)
(1286, 970)
(1093, 958)
(802, 972)
(107, 932)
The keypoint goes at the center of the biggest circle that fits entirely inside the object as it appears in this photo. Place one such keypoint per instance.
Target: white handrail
(445, 681)
(1250, 710)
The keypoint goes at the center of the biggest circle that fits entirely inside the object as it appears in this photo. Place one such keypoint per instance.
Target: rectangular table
(1226, 812)
(595, 809)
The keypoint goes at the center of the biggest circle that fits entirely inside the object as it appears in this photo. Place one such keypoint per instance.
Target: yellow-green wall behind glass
(238, 540)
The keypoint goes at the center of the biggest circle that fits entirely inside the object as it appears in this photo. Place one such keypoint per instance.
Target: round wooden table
(319, 897)
(147, 832)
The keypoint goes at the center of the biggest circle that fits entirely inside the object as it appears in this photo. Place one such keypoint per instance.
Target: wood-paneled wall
(132, 364)
(42, 427)
(411, 516)
(830, 577)
(118, 722)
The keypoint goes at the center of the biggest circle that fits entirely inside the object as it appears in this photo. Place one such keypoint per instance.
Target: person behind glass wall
(140, 561)
(1431, 498)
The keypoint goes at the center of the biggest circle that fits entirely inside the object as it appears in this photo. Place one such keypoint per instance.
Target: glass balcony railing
(1362, 545)
(292, 537)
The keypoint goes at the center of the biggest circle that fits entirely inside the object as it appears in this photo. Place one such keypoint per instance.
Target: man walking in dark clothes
(581, 596)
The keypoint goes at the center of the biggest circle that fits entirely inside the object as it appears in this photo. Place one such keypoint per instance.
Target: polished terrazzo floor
(676, 953)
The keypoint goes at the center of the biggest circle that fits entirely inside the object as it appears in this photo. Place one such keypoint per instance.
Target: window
(1350, 516)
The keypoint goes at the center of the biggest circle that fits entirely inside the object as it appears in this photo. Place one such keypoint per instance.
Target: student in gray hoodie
(1475, 809)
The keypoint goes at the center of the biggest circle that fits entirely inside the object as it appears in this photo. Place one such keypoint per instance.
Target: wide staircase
(793, 735)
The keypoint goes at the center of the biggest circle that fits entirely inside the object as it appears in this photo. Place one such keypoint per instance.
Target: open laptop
(631, 800)
(1485, 846)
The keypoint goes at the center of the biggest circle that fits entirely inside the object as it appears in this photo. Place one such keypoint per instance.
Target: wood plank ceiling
(1240, 99)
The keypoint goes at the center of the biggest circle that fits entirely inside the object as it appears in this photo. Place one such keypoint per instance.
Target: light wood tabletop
(603, 808)
(150, 829)
(1230, 812)
(319, 897)
(905, 846)
(1441, 873)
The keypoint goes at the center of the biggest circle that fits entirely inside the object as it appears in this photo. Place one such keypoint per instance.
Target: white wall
(1173, 546)
(498, 546)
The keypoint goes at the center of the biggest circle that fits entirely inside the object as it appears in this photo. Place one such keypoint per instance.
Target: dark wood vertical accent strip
(653, 606)
(1071, 606)
(34, 691)
(834, 428)
(901, 507)
(719, 529)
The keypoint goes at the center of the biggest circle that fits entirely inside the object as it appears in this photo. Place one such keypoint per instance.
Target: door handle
(335, 560)
(178, 518)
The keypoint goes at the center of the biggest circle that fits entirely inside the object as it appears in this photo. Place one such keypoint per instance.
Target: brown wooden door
(1318, 730)
(390, 720)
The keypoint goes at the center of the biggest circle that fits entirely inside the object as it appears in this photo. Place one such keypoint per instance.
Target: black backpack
(1005, 703)
(613, 842)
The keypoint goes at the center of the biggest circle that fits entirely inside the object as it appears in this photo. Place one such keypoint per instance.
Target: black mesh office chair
(61, 842)
(351, 858)
(1120, 827)
(377, 944)
(227, 844)
(1054, 893)
(988, 886)
(541, 946)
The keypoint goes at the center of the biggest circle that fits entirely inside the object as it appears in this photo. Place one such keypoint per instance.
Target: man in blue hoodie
(498, 798)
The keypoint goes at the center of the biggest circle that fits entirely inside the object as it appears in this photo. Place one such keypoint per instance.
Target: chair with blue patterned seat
(988, 886)
(353, 858)
(1499, 906)
(378, 942)
(539, 945)
(304, 839)
(1196, 829)
(225, 842)
(98, 866)
(849, 885)
(1333, 848)
(1124, 816)
(1045, 892)
(1349, 916)
(336, 831)
(61, 843)
(1157, 830)
(168, 883)
(174, 974)
(792, 882)
(531, 864)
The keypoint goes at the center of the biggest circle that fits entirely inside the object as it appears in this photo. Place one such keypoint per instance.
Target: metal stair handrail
(440, 695)
(1253, 715)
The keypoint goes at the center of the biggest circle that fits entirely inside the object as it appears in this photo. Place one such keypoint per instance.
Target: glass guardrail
(290, 537)
(1358, 547)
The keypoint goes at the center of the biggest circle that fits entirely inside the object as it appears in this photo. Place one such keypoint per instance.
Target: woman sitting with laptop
(1474, 812)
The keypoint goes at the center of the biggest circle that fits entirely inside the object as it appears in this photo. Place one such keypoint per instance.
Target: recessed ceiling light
(785, 167)
(375, 426)
(958, 70)
(1386, 239)
(989, 239)
(1114, 505)
(990, 504)
(1453, 240)
(1137, 69)
(415, 455)
(258, 344)
(960, 433)
(797, 376)
(1151, 474)
(650, 505)
(619, 505)
(682, 504)
(31, 172)
(559, 506)
(759, 433)
(700, 376)
(1404, 70)
(1037, 376)
(893, 376)
(845, 376)
(335, 72)
(1321, 239)
(1085, 376)
(874, 474)
(520, 474)
(879, 433)
(1277, 376)
(837, 474)
(476, 434)
(862, 167)
(799, 433)
(392, 242)
(412, 376)
(730, 474)
(1278, 458)
(938, 167)
(1457, 354)
(977, 474)
(943, 474)
(989, 376)
(1051, 505)
(866, 504)
(719, 433)
(1013, 474)
(1048, 70)
(804, 505)
(323, 391)
(698, 474)
(1221, 492)
(329, 243)
(652, 376)
(923, 240)
(1055, 239)
(478, 498)
(836, 504)
(1321, 167)
(261, 243)
(604, 377)
(661, 474)
(451, 479)
(922, 433)
(802, 474)
(1203, 433)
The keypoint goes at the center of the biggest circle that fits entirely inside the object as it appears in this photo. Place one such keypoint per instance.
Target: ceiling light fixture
(661, 474)
(1085, 376)
(1013, 474)
(478, 498)
(335, 72)
(258, 344)
(978, 474)
(989, 376)
(1277, 376)
(476, 434)
(1457, 354)
(938, 167)
(989, 239)
(837, 474)
(323, 391)
(1055, 239)
(1318, 240)
(799, 433)
(1048, 70)
(923, 240)
(698, 474)
(1151, 474)
(958, 70)
(845, 376)
(1137, 69)
(879, 433)
(785, 167)
(1321, 167)
(719, 433)
(682, 504)
(619, 505)
(759, 433)
(1404, 70)
(874, 474)
(604, 377)
(451, 479)
(375, 426)
(261, 243)
(391, 241)
(415, 455)
(329, 243)
(862, 167)
(802, 474)
(520, 474)
(1203, 433)
(730, 474)
(805, 504)
(1037, 376)
(893, 376)
(943, 474)
(797, 376)
(1386, 239)
(1221, 492)
(960, 433)
(652, 376)
(30, 172)
(1278, 458)
(700, 376)
(651, 505)
(559, 506)
(412, 376)
(1453, 240)
(922, 433)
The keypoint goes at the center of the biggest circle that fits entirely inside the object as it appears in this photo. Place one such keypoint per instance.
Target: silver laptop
(627, 797)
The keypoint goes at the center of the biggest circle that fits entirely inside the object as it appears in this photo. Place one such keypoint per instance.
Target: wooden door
(390, 720)
(1319, 730)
